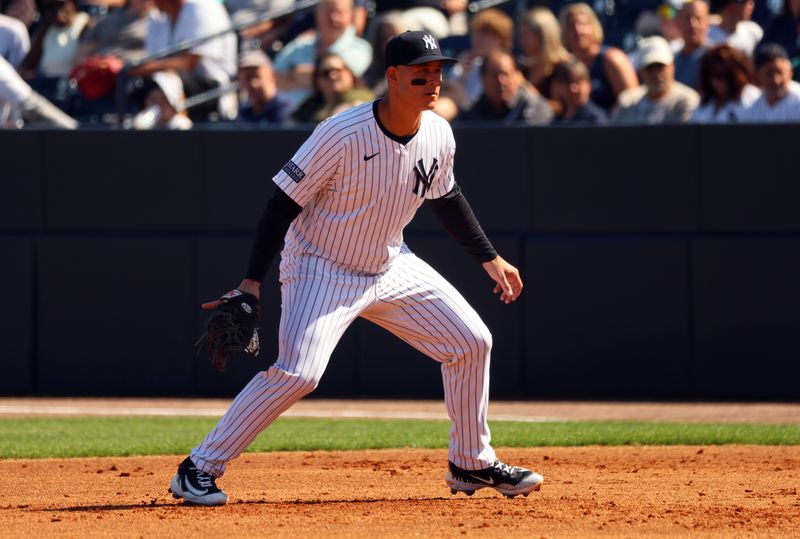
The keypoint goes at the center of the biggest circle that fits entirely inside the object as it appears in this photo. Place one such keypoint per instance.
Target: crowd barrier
(659, 262)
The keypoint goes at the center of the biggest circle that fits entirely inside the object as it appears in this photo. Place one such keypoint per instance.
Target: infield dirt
(711, 491)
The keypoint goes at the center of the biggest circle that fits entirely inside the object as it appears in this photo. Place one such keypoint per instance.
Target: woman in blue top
(610, 70)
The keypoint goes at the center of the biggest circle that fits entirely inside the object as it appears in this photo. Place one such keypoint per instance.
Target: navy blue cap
(414, 48)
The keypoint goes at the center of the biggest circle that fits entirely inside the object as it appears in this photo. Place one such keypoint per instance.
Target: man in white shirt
(736, 29)
(14, 40)
(209, 64)
(660, 99)
(780, 98)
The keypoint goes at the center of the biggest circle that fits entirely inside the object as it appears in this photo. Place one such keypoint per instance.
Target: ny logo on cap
(430, 42)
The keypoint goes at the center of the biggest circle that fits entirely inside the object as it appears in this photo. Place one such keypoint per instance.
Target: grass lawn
(115, 436)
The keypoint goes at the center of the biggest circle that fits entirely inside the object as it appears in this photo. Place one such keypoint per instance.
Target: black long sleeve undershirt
(452, 210)
(457, 217)
(278, 215)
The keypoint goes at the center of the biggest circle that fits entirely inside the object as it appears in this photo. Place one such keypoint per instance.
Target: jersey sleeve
(446, 181)
(312, 166)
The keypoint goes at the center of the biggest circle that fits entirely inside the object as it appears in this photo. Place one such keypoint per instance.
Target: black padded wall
(659, 262)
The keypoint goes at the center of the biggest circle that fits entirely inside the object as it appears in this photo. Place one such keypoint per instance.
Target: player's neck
(398, 121)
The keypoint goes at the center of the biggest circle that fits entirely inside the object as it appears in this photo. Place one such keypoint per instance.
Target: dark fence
(658, 262)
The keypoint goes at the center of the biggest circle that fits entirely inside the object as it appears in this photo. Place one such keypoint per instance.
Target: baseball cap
(414, 48)
(253, 58)
(654, 50)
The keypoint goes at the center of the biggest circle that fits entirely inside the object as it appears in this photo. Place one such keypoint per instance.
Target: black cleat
(505, 479)
(196, 486)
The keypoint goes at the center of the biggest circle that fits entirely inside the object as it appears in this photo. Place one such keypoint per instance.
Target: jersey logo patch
(424, 178)
(295, 173)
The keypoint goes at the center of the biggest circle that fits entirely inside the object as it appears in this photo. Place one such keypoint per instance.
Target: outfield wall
(658, 262)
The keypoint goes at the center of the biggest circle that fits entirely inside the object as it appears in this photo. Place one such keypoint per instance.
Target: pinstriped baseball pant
(320, 301)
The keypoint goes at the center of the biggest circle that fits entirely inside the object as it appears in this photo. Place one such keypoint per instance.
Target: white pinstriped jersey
(359, 187)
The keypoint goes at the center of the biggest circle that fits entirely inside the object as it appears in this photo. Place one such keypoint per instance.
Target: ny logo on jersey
(424, 179)
(430, 42)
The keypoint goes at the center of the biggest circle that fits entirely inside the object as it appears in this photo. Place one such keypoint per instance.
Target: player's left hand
(509, 283)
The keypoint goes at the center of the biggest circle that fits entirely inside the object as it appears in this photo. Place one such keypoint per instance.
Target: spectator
(54, 45)
(668, 23)
(783, 30)
(573, 87)
(661, 99)
(203, 67)
(164, 105)
(245, 11)
(491, 31)
(121, 33)
(429, 20)
(14, 41)
(267, 32)
(428, 15)
(693, 23)
(263, 104)
(384, 28)
(22, 10)
(294, 65)
(456, 12)
(506, 97)
(452, 100)
(726, 75)
(736, 29)
(780, 95)
(336, 88)
(540, 43)
(610, 70)
(20, 103)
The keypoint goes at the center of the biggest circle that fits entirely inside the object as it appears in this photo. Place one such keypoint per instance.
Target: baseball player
(340, 207)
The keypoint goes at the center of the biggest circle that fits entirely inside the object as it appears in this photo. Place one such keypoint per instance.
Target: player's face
(420, 84)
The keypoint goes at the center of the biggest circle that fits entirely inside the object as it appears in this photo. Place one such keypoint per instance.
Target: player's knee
(480, 343)
(301, 383)
(485, 342)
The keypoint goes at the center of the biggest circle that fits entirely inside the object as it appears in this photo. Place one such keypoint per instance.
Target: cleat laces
(203, 479)
(503, 468)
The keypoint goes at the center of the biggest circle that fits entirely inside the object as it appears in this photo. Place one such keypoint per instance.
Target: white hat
(171, 85)
(654, 50)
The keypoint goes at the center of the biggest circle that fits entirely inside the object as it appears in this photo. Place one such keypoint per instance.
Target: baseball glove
(231, 329)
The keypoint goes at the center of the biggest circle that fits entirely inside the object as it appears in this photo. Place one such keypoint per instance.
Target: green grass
(83, 437)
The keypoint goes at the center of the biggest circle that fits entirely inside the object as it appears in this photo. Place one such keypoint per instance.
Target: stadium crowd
(533, 62)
